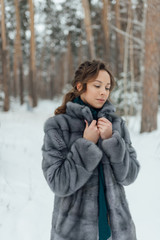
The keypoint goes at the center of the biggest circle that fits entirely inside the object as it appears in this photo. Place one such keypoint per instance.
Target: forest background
(43, 42)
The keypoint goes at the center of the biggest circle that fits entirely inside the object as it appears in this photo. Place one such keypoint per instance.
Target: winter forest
(41, 45)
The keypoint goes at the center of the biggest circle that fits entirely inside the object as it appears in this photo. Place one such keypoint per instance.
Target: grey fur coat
(70, 167)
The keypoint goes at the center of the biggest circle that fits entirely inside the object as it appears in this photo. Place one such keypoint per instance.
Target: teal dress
(104, 228)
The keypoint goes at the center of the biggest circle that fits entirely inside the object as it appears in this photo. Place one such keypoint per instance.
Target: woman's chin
(100, 105)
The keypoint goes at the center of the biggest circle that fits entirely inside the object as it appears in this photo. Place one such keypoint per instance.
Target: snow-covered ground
(26, 201)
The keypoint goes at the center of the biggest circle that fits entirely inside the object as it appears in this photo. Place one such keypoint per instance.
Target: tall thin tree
(131, 58)
(18, 53)
(4, 59)
(126, 54)
(142, 16)
(105, 25)
(88, 27)
(32, 71)
(69, 58)
(119, 40)
(152, 67)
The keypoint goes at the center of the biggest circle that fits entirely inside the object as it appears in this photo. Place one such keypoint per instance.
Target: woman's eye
(97, 86)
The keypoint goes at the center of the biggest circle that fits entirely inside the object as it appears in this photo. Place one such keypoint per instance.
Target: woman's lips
(101, 100)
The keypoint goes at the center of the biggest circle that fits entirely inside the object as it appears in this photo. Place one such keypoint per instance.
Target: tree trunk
(105, 26)
(50, 70)
(125, 66)
(15, 68)
(152, 66)
(40, 70)
(18, 55)
(1, 80)
(69, 59)
(62, 78)
(32, 72)
(131, 55)
(88, 27)
(4, 59)
(80, 57)
(144, 9)
(119, 41)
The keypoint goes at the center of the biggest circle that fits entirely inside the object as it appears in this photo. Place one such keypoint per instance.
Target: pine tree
(152, 67)
(4, 59)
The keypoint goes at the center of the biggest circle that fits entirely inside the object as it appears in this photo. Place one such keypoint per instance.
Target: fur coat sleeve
(122, 156)
(67, 169)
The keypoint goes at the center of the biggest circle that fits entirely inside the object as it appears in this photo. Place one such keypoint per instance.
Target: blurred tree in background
(152, 67)
(43, 42)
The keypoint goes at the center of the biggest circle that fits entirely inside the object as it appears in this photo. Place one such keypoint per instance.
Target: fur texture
(70, 166)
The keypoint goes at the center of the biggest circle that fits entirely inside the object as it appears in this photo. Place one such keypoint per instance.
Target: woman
(87, 159)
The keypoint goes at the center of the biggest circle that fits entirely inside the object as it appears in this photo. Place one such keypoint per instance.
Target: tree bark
(62, 78)
(152, 66)
(143, 16)
(18, 67)
(15, 68)
(88, 27)
(40, 90)
(125, 66)
(131, 55)
(119, 40)
(69, 58)
(105, 26)
(32, 72)
(50, 70)
(80, 57)
(4, 59)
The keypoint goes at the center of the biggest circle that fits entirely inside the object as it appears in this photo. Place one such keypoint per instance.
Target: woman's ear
(79, 86)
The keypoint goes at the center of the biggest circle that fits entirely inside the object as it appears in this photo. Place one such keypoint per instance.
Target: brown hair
(87, 71)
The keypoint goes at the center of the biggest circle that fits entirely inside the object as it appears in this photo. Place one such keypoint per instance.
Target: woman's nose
(103, 91)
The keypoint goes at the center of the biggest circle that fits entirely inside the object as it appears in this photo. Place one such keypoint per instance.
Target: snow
(26, 201)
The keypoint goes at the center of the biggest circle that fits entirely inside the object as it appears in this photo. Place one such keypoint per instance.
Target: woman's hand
(91, 132)
(105, 128)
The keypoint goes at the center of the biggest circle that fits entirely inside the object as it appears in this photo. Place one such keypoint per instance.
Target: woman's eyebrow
(102, 82)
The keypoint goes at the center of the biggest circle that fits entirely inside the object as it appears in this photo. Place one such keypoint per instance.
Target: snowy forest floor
(26, 202)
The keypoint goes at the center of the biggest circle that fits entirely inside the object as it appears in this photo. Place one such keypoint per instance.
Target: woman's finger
(93, 123)
(104, 120)
(86, 123)
(100, 128)
(102, 124)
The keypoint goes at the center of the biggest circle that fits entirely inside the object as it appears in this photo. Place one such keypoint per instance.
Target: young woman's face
(97, 91)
